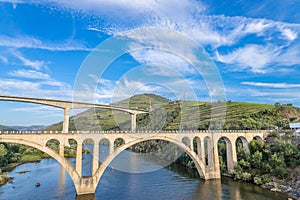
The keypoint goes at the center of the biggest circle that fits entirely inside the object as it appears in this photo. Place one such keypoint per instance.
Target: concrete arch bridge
(204, 154)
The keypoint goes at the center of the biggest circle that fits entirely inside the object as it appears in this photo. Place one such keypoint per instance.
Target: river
(173, 182)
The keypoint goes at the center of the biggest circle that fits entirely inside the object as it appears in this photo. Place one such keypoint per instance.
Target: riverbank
(289, 186)
(4, 178)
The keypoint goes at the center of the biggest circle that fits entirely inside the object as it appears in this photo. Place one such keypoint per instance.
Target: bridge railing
(130, 132)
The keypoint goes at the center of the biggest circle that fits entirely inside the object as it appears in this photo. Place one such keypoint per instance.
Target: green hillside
(189, 115)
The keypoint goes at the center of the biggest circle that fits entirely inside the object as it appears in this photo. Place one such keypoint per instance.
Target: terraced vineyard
(191, 115)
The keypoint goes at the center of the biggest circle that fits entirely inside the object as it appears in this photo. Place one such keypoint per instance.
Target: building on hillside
(296, 127)
(296, 133)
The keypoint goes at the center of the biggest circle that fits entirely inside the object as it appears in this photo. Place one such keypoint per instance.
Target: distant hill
(28, 128)
(167, 114)
(6, 128)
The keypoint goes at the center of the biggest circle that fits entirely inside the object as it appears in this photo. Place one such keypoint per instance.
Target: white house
(295, 126)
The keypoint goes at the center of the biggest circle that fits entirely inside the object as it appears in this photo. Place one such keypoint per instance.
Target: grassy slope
(196, 115)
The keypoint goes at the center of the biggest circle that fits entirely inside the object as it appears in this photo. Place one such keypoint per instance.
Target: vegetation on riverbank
(274, 165)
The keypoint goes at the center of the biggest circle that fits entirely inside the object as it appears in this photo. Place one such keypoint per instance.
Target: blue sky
(255, 46)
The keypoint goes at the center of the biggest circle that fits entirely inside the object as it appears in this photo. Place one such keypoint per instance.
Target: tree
(256, 160)
(3, 150)
(256, 145)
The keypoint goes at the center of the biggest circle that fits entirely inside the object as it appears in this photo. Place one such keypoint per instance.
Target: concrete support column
(202, 152)
(79, 158)
(133, 122)
(192, 144)
(210, 153)
(231, 156)
(199, 148)
(61, 150)
(215, 158)
(111, 147)
(66, 120)
(95, 158)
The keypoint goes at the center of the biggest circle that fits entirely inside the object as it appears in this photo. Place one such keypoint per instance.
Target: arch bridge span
(201, 146)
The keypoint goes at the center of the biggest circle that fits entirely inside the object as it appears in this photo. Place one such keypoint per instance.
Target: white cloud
(34, 43)
(254, 57)
(13, 84)
(290, 57)
(166, 61)
(272, 85)
(32, 74)
(291, 35)
(4, 59)
(35, 64)
(15, 87)
(260, 59)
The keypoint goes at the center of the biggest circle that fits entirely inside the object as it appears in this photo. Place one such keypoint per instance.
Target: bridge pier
(192, 144)
(202, 151)
(133, 122)
(66, 120)
(95, 163)
(61, 150)
(79, 158)
(86, 185)
(231, 157)
(111, 147)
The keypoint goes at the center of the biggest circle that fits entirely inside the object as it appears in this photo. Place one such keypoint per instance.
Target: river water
(173, 182)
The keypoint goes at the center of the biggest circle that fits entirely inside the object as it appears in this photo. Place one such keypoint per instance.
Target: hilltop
(166, 114)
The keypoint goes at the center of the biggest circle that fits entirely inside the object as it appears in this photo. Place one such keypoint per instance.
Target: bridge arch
(257, 137)
(118, 142)
(197, 145)
(106, 162)
(185, 140)
(60, 159)
(53, 139)
(208, 151)
(229, 152)
(244, 141)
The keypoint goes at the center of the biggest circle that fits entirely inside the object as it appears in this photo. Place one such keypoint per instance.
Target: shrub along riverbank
(275, 166)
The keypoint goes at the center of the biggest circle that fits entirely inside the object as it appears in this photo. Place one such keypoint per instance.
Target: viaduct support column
(79, 158)
(231, 156)
(133, 122)
(192, 144)
(95, 158)
(210, 153)
(199, 148)
(61, 150)
(111, 147)
(202, 151)
(66, 120)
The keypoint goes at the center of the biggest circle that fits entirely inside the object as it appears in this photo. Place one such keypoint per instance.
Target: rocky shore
(290, 185)
(292, 189)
